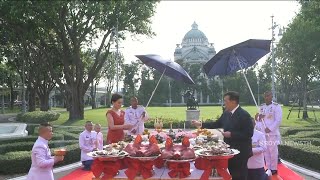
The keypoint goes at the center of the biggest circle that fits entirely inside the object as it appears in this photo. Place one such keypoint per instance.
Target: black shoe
(86, 169)
(279, 161)
(274, 172)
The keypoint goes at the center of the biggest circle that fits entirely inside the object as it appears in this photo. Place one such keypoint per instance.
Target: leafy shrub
(32, 138)
(27, 146)
(166, 123)
(30, 128)
(293, 131)
(305, 134)
(38, 116)
(20, 161)
(305, 155)
(68, 135)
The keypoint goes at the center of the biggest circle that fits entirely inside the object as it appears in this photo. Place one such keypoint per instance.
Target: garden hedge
(304, 155)
(301, 146)
(38, 116)
(20, 161)
(27, 146)
(32, 138)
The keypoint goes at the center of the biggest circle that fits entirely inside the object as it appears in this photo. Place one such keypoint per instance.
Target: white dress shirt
(134, 117)
(259, 141)
(98, 140)
(234, 110)
(86, 143)
(42, 161)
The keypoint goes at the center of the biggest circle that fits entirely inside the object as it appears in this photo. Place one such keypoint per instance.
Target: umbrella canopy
(168, 67)
(246, 53)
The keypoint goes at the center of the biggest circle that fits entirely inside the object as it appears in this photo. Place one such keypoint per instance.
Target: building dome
(195, 47)
(195, 36)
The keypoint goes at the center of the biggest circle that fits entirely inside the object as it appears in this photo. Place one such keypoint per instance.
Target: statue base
(192, 115)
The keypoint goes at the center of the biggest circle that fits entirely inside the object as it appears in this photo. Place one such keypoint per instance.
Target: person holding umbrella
(237, 131)
(271, 114)
(135, 115)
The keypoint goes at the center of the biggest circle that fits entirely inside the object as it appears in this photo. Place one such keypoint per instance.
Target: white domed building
(195, 47)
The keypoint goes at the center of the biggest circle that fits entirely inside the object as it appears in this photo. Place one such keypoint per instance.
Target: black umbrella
(167, 67)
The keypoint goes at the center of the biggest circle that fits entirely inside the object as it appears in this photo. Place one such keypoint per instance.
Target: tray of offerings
(178, 152)
(144, 158)
(143, 151)
(104, 155)
(216, 150)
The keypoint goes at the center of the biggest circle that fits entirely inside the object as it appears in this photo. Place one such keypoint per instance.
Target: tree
(71, 26)
(298, 48)
(131, 78)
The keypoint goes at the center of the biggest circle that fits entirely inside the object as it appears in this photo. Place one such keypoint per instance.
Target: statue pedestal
(192, 115)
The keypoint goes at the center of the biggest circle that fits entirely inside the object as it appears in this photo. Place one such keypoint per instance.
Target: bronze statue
(192, 103)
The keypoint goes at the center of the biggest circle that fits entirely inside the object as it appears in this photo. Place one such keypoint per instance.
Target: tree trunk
(31, 98)
(93, 97)
(44, 102)
(305, 111)
(108, 99)
(12, 95)
(76, 111)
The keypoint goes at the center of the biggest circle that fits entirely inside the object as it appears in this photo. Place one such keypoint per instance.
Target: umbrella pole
(254, 99)
(156, 87)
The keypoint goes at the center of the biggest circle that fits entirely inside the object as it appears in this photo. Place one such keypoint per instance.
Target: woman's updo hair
(115, 97)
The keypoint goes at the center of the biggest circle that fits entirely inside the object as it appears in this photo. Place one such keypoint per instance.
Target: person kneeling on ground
(42, 161)
(86, 143)
(256, 162)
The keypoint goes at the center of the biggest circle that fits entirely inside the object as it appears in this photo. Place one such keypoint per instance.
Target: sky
(224, 23)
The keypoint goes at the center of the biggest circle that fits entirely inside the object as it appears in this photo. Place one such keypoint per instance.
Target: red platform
(284, 174)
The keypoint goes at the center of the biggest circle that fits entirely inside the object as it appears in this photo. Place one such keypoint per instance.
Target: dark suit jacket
(241, 128)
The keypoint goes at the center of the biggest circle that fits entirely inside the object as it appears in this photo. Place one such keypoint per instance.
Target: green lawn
(178, 113)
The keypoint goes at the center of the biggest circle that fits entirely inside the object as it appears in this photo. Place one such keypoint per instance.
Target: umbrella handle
(156, 87)
(254, 99)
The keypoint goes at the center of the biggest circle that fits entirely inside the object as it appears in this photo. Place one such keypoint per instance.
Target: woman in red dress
(115, 118)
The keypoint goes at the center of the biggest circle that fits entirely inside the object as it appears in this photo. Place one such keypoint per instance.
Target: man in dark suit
(237, 131)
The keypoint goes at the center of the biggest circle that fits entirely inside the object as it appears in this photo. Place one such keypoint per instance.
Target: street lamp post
(273, 88)
(170, 100)
(274, 25)
(258, 91)
(24, 109)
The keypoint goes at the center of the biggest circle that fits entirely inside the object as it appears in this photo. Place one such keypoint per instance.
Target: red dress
(116, 135)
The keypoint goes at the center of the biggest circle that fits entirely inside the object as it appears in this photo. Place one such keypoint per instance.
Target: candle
(184, 126)
(170, 125)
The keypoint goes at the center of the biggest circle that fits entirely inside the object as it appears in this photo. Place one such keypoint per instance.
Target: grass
(206, 112)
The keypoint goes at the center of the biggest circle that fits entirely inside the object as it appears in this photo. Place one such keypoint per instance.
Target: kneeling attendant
(42, 161)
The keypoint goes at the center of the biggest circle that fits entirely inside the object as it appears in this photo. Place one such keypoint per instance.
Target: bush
(166, 123)
(305, 134)
(305, 155)
(38, 116)
(20, 162)
(68, 135)
(32, 138)
(30, 128)
(27, 146)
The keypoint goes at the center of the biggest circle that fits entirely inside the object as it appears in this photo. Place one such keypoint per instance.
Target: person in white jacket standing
(42, 161)
(86, 143)
(136, 115)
